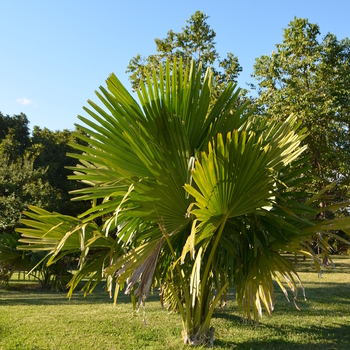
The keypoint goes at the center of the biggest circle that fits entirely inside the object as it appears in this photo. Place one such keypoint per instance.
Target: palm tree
(189, 196)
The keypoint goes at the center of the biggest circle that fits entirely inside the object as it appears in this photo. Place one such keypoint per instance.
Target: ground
(31, 318)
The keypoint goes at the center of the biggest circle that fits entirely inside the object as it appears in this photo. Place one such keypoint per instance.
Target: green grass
(36, 319)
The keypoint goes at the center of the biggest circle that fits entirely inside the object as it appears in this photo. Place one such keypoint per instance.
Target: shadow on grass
(325, 294)
(37, 296)
(226, 314)
(341, 265)
(335, 337)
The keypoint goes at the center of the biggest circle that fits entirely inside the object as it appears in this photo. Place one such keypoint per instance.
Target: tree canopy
(14, 135)
(50, 149)
(310, 77)
(194, 42)
(32, 170)
(21, 185)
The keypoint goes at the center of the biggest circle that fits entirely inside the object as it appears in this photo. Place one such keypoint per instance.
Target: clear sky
(55, 54)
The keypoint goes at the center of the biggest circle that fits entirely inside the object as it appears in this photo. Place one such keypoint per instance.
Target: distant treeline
(32, 170)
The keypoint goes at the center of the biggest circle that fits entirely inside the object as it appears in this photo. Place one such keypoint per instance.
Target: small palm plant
(190, 195)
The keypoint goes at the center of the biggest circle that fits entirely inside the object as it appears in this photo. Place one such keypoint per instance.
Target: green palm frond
(236, 177)
(61, 235)
(149, 147)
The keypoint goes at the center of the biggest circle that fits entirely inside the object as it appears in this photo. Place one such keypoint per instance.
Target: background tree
(50, 149)
(194, 42)
(21, 185)
(14, 135)
(45, 149)
(32, 172)
(311, 78)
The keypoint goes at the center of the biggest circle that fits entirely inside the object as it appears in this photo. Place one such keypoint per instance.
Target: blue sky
(55, 54)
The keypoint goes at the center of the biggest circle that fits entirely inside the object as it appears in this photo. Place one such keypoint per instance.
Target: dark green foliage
(14, 135)
(51, 148)
(20, 185)
(32, 172)
(43, 155)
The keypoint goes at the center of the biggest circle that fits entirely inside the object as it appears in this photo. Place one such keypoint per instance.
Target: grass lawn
(36, 319)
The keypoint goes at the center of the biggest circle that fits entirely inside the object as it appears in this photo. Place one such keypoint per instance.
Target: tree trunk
(200, 338)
